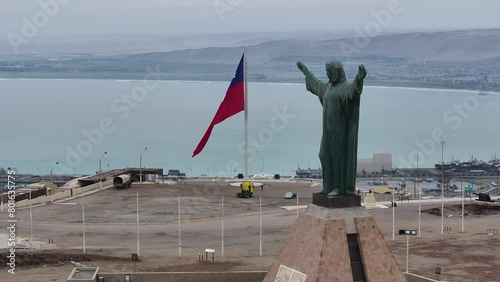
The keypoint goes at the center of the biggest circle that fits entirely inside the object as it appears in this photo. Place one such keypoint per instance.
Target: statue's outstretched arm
(358, 81)
(304, 69)
(314, 85)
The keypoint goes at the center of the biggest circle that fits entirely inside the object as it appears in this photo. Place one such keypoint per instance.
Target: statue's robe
(339, 143)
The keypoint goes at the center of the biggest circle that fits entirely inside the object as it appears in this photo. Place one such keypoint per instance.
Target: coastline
(409, 85)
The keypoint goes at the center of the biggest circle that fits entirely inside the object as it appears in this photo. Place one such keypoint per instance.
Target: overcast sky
(201, 16)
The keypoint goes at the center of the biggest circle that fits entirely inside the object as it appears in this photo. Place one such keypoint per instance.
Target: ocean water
(76, 121)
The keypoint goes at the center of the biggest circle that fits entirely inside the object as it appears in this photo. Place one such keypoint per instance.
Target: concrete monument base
(335, 202)
(342, 244)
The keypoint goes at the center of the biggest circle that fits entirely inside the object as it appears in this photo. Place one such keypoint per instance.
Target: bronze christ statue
(339, 144)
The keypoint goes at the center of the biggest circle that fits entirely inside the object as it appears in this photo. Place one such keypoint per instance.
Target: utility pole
(498, 185)
(463, 202)
(393, 214)
(419, 201)
(83, 219)
(415, 185)
(179, 223)
(260, 225)
(52, 187)
(140, 164)
(100, 177)
(138, 249)
(222, 211)
(442, 186)
(262, 164)
(31, 225)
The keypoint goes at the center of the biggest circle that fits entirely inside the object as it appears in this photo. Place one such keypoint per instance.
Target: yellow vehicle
(247, 189)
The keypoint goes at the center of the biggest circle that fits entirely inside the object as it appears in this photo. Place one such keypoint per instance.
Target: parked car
(290, 195)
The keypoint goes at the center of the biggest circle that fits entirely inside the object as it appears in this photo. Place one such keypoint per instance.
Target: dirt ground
(111, 232)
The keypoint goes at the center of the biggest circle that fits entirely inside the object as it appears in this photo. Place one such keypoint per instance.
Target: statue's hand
(362, 72)
(301, 66)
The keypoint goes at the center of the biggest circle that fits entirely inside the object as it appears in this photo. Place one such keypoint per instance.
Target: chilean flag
(233, 103)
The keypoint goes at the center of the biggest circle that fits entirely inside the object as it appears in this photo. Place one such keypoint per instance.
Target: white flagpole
(83, 218)
(179, 224)
(393, 205)
(246, 111)
(138, 249)
(222, 208)
(260, 225)
(297, 205)
(31, 225)
(419, 202)
(463, 204)
(442, 185)
(1, 192)
(407, 251)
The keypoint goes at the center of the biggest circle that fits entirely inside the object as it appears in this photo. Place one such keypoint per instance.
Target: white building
(379, 163)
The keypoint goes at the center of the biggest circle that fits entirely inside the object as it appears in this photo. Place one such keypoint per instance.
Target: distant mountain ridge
(457, 46)
(467, 59)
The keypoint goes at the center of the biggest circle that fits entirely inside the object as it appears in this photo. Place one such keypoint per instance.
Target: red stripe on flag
(233, 103)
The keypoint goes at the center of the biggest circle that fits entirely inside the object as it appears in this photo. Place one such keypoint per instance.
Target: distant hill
(453, 46)
(468, 59)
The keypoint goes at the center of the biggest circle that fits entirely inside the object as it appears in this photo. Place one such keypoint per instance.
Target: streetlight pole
(407, 251)
(53, 169)
(140, 164)
(297, 205)
(260, 225)
(222, 211)
(51, 190)
(419, 201)
(100, 179)
(498, 185)
(262, 164)
(393, 215)
(463, 203)
(138, 249)
(1, 191)
(442, 186)
(179, 223)
(31, 225)
(83, 219)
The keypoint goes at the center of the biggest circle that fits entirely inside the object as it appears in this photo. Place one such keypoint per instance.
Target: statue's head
(335, 72)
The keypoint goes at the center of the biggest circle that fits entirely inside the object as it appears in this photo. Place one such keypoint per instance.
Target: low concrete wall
(68, 192)
(43, 199)
(62, 195)
(77, 191)
(243, 276)
(252, 276)
(416, 278)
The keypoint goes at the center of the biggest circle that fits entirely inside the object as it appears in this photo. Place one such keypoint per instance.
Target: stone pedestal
(335, 202)
(341, 245)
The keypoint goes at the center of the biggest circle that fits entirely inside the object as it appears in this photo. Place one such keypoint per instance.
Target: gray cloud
(200, 16)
